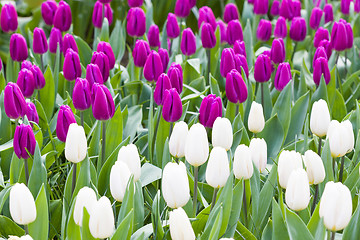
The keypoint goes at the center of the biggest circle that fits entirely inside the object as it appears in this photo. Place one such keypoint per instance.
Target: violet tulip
(298, 29)
(277, 54)
(175, 74)
(69, 42)
(350, 35)
(239, 47)
(231, 12)
(315, 18)
(172, 26)
(262, 68)
(93, 75)
(72, 66)
(140, 53)
(14, 101)
(206, 15)
(320, 52)
(208, 37)
(103, 106)
(241, 63)
(62, 17)
(81, 94)
(234, 32)
(105, 1)
(106, 48)
(135, 3)
(235, 87)
(283, 76)
(9, 21)
(48, 10)
(264, 29)
(24, 141)
(154, 36)
(55, 39)
(210, 109)
(164, 55)
(163, 83)
(326, 44)
(339, 36)
(99, 10)
(321, 34)
(357, 6)
(26, 82)
(345, 6)
(227, 62)
(296, 5)
(65, 117)
(40, 45)
(188, 42)
(39, 79)
(321, 67)
(192, 3)
(31, 112)
(102, 61)
(153, 67)
(18, 48)
(275, 8)
(261, 7)
(328, 13)
(182, 8)
(136, 22)
(172, 107)
(286, 9)
(280, 30)
(223, 28)
(26, 64)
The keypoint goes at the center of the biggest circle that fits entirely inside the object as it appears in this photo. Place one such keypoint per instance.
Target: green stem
(171, 128)
(345, 63)
(26, 229)
(341, 169)
(42, 63)
(74, 178)
(332, 235)
(103, 142)
(319, 147)
(245, 205)
(316, 195)
(214, 198)
(262, 95)
(293, 54)
(82, 118)
(209, 65)
(156, 128)
(237, 109)
(26, 172)
(181, 29)
(196, 173)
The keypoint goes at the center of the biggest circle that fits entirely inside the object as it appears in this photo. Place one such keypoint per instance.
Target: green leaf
(133, 121)
(235, 208)
(85, 231)
(158, 230)
(352, 231)
(296, 227)
(150, 173)
(282, 108)
(85, 52)
(321, 92)
(124, 230)
(327, 160)
(215, 231)
(215, 212)
(273, 128)
(160, 138)
(8, 227)
(38, 175)
(243, 233)
(47, 94)
(338, 109)
(128, 201)
(114, 132)
(39, 229)
(117, 39)
(267, 233)
(138, 206)
(279, 228)
(316, 225)
(249, 44)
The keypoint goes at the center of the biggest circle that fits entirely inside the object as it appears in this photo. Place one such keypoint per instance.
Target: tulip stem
(345, 63)
(196, 174)
(42, 63)
(319, 148)
(245, 207)
(103, 142)
(82, 118)
(332, 235)
(293, 54)
(171, 128)
(262, 95)
(214, 198)
(180, 35)
(316, 195)
(209, 64)
(341, 168)
(26, 229)
(73, 178)
(156, 129)
(26, 171)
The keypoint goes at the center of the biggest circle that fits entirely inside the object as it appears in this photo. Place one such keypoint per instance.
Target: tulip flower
(164, 55)
(103, 106)
(208, 37)
(119, 178)
(86, 197)
(153, 67)
(280, 30)
(62, 17)
(319, 118)
(192, 3)
(21, 204)
(40, 45)
(175, 74)
(48, 10)
(258, 149)
(283, 76)
(263, 32)
(178, 139)
(69, 42)
(275, 8)
(231, 12)
(136, 22)
(18, 48)
(243, 166)
(262, 68)
(130, 155)
(315, 18)
(102, 61)
(223, 31)
(298, 29)
(140, 53)
(206, 15)
(26, 64)
(188, 42)
(328, 13)
(239, 47)
(222, 133)
(172, 107)
(72, 66)
(296, 8)
(135, 3)
(99, 10)
(327, 46)
(234, 32)
(102, 222)
(182, 8)
(357, 6)
(235, 87)
(31, 112)
(81, 94)
(350, 36)
(14, 101)
(314, 167)
(227, 62)
(196, 145)
(9, 18)
(261, 7)
(210, 109)
(106, 48)
(93, 75)
(39, 79)
(341, 138)
(297, 195)
(162, 84)
(154, 36)
(256, 120)
(26, 237)
(277, 54)
(288, 162)
(339, 39)
(321, 34)
(64, 119)
(172, 26)
(320, 52)
(55, 39)
(336, 206)
(24, 139)
(175, 185)
(180, 226)
(217, 170)
(286, 9)
(345, 7)
(26, 82)
(321, 67)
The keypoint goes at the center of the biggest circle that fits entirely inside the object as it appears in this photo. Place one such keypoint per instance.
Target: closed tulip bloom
(178, 139)
(64, 119)
(327, 46)
(135, 3)
(31, 112)
(55, 39)
(172, 107)
(26, 64)
(280, 30)
(164, 56)
(296, 8)
(258, 149)
(263, 32)
(261, 7)
(275, 8)
(172, 26)
(357, 6)
(239, 47)
(86, 197)
(319, 118)
(140, 53)
(217, 170)
(48, 10)
(350, 35)
(321, 34)
(345, 7)
(130, 155)
(277, 53)
(163, 83)
(321, 67)
(341, 138)
(222, 133)
(119, 178)
(103, 106)
(298, 29)
(256, 120)
(192, 3)
(105, 1)
(288, 162)
(102, 222)
(154, 36)
(196, 145)
(231, 12)
(314, 167)
(24, 139)
(234, 32)
(235, 87)
(99, 10)
(241, 64)
(136, 22)
(93, 75)
(21, 204)
(206, 15)
(283, 76)
(223, 31)
(339, 36)
(208, 37)
(175, 74)
(188, 42)
(75, 144)
(102, 61)
(320, 52)
(69, 42)
(72, 66)
(106, 48)
(182, 8)
(175, 185)
(297, 194)
(315, 18)
(243, 166)
(26, 82)
(210, 109)
(81, 94)
(9, 21)
(14, 101)
(40, 45)
(62, 17)
(180, 226)
(286, 9)
(153, 67)
(336, 206)
(18, 48)
(39, 79)
(328, 13)
(263, 68)
(227, 62)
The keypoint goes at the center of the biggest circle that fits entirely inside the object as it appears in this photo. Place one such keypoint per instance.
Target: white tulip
(217, 170)
(258, 149)
(336, 206)
(119, 178)
(288, 162)
(319, 118)
(102, 222)
(178, 139)
(297, 195)
(76, 144)
(175, 185)
(314, 167)
(222, 133)
(26, 237)
(13, 238)
(256, 120)
(86, 197)
(341, 138)
(129, 154)
(197, 145)
(22, 204)
(180, 227)
(243, 166)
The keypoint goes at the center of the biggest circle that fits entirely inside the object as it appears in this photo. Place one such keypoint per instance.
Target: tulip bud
(140, 53)
(9, 21)
(345, 7)
(297, 195)
(262, 69)
(99, 10)
(223, 28)
(136, 22)
(192, 3)
(329, 14)
(172, 26)
(75, 145)
(231, 12)
(288, 162)
(18, 48)
(256, 120)
(321, 67)
(64, 119)
(14, 102)
(135, 3)
(327, 46)
(130, 155)
(93, 75)
(102, 222)
(315, 18)
(280, 30)
(69, 42)
(175, 74)
(283, 76)
(275, 8)
(314, 167)
(31, 112)
(26, 82)
(298, 29)
(39, 79)
(349, 35)
(227, 62)
(277, 53)
(210, 109)
(119, 178)
(24, 139)
(153, 67)
(188, 42)
(263, 32)
(196, 145)
(234, 32)
(86, 197)
(162, 84)
(286, 9)
(320, 52)
(172, 107)
(258, 149)
(103, 106)
(296, 8)
(153, 36)
(175, 185)
(319, 118)
(206, 15)
(235, 87)
(182, 8)
(72, 67)
(357, 6)
(48, 10)
(321, 34)
(81, 94)
(208, 37)
(217, 170)
(341, 38)
(180, 226)
(22, 204)
(106, 48)
(178, 139)
(26, 64)
(341, 138)
(239, 47)
(102, 61)
(335, 206)
(105, 1)
(261, 7)
(243, 166)
(164, 55)
(222, 133)
(55, 39)
(62, 17)
(40, 45)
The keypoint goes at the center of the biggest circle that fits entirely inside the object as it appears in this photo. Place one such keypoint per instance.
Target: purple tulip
(102, 61)
(263, 32)
(262, 68)
(18, 48)
(175, 74)
(280, 30)
(103, 106)
(105, 1)
(298, 29)
(261, 7)
(329, 14)
(154, 36)
(9, 21)
(340, 36)
(320, 52)
(69, 43)
(321, 34)
(235, 87)
(172, 26)
(210, 109)
(231, 12)
(321, 67)
(153, 67)
(72, 66)
(275, 8)
(93, 75)
(239, 47)
(345, 6)
(296, 8)
(283, 76)
(164, 55)
(286, 9)
(163, 83)
(277, 54)
(135, 3)
(31, 112)
(64, 119)
(350, 35)
(315, 18)
(192, 3)
(188, 42)
(48, 10)
(222, 26)
(227, 62)
(172, 107)
(63, 18)
(1, 64)
(357, 6)
(241, 62)
(14, 101)
(26, 64)
(206, 15)
(26, 82)
(55, 39)
(24, 141)
(40, 45)
(208, 37)
(234, 32)
(327, 46)
(39, 78)
(182, 8)
(136, 22)
(81, 94)
(140, 53)
(99, 10)
(106, 48)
